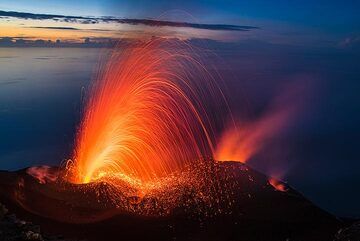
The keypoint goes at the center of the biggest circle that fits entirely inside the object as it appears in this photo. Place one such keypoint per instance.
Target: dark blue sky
(307, 12)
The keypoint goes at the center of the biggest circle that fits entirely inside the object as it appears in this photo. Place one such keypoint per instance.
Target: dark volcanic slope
(257, 212)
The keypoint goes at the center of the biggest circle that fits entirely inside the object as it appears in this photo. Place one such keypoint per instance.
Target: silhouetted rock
(351, 233)
(235, 203)
(14, 229)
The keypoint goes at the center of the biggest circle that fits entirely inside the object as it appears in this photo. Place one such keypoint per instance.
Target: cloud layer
(132, 21)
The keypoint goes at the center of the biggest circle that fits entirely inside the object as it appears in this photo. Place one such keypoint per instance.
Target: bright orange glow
(146, 118)
(43, 174)
(242, 141)
(279, 186)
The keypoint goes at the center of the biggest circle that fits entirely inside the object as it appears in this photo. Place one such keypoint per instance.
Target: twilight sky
(319, 23)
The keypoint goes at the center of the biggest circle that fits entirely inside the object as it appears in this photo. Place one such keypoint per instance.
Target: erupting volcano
(144, 159)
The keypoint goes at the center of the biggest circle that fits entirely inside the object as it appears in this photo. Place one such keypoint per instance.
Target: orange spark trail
(148, 115)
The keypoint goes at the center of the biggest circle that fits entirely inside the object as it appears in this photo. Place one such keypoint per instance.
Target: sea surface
(40, 96)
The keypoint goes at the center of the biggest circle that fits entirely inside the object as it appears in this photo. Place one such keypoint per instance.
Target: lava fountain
(154, 110)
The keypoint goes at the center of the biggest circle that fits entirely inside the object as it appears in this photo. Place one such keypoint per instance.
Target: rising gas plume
(243, 140)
